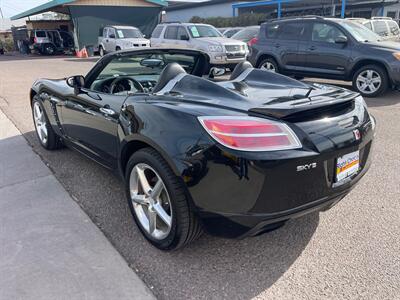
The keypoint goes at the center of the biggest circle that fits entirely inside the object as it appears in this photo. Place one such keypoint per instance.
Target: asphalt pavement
(49, 247)
(348, 252)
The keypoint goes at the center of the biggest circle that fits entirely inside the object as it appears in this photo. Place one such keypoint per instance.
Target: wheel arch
(265, 56)
(365, 62)
(132, 144)
(32, 94)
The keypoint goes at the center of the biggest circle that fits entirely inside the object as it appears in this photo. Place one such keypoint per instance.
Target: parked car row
(343, 49)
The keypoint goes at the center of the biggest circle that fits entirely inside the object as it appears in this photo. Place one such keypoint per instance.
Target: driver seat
(168, 73)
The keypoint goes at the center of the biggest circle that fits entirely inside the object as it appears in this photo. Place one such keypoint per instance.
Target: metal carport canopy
(342, 3)
(58, 6)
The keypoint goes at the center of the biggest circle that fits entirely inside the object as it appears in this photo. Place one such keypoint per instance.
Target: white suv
(223, 52)
(385, 27)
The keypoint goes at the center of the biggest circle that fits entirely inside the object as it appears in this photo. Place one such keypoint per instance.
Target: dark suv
(328, 48)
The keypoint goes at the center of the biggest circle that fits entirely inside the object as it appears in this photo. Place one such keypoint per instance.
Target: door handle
(107, 110)
(312, 48)
(277, 45)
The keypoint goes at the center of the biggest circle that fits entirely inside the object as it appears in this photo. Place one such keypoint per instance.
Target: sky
(13, 7)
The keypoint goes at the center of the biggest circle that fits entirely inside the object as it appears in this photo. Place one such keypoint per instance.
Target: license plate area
(347, 166)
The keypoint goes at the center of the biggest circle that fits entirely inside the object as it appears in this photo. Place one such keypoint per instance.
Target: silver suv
(223, 52)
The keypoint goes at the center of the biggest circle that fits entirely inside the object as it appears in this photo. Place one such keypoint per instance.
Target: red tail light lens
(252, 41)
(250, 133)
(35, 40)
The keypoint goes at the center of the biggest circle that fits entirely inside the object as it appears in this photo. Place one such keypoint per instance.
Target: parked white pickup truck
(117, 38)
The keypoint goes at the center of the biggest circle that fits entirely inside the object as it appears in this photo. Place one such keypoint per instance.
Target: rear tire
(371, 81)
(182, 225)
(44, 131)
(269, 64)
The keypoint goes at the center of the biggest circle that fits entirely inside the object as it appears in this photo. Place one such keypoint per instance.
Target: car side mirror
(184, 38)
(77, 82)
(341, 39)
(112, 36)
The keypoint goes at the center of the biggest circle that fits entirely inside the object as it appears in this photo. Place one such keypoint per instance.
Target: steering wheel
(125, 83)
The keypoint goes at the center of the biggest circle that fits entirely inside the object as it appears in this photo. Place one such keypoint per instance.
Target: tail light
(35, 40)
(250, 133)
(252, 41)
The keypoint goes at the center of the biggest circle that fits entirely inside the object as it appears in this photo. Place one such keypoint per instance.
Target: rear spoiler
(283, 110)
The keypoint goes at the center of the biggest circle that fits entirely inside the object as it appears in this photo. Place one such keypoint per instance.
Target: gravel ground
(349, 252)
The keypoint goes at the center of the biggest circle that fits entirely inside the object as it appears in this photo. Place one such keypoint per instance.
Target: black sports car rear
(235, 157)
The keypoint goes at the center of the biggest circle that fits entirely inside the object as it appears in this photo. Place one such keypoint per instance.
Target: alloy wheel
(268, 66)
(368, 81)
(40, 122)
(150, 200)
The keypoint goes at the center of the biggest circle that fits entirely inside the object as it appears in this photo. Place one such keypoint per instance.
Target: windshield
(198, 31)
(131, 33)
(360, 32)
(246, 34)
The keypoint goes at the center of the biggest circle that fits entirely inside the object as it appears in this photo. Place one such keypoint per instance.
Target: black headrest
(240, 68)
(170, 72)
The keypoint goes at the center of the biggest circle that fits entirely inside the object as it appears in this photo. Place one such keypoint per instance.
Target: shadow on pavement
(21, 57)
(388, 99)
(90, 59)
(210, 268)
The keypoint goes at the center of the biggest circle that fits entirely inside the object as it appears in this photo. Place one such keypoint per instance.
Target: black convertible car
(236, 157)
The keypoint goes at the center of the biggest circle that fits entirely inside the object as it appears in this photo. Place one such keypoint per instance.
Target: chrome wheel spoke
(162, 214)
(376, 80)
(140, 199)
(40, 122)
(43, 130)
(158, 187)
(152, 221)
(143, 181)
(150, 201)
(362, 79)
(369, 81)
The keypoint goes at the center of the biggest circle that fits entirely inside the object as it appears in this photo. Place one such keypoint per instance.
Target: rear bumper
(244, 225)
(238, 196)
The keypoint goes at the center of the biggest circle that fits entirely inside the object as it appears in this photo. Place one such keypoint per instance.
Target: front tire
(269, 64)
(44, 131)
(159, 202)
(371, 81)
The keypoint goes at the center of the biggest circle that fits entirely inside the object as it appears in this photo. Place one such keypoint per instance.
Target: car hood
(262, 92)
(389, 45)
